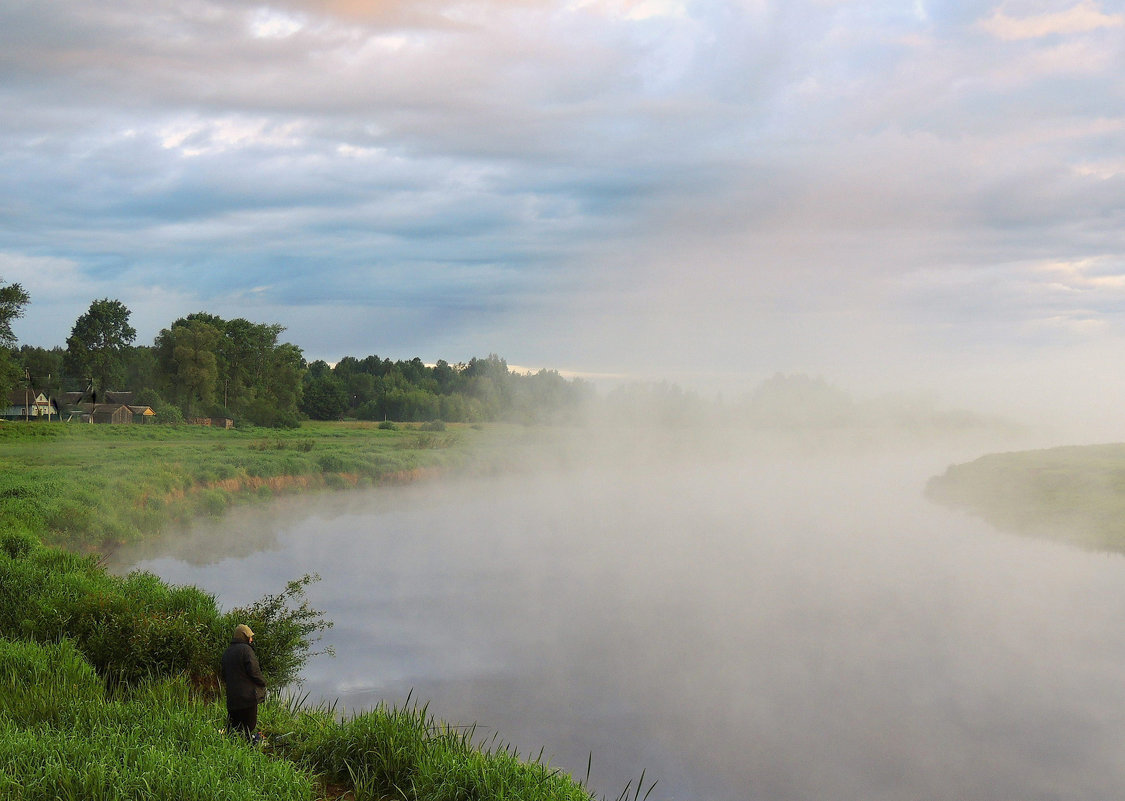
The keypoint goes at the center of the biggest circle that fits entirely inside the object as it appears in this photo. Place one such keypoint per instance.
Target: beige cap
(243, 630)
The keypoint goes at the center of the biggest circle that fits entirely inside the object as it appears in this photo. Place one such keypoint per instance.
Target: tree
(231, 367)
(142, 370)
(97, 344)
(12, 300)
(324, 398)
(186, 353)
(43, 366)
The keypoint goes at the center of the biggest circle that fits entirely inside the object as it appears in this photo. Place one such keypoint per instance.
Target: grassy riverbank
(1072, 494)
(107, 683)
(83, 486)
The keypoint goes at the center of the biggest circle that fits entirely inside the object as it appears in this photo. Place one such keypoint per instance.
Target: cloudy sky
(920, 193)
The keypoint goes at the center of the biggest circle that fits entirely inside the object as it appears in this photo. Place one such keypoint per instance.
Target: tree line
(205, 366)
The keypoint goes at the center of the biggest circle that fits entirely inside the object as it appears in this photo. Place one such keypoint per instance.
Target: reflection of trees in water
(247, 530)
(239, 533)
(204, 542)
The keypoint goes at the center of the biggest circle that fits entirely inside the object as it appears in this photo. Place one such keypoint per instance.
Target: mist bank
(1073, 494)
(742, 616)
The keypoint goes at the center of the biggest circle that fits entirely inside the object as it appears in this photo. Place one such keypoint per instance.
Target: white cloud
(1094, 273)
(47, 279)
(1082, 18)
(634, 10)
(204, 136)
(266, 23)
(1102, 170)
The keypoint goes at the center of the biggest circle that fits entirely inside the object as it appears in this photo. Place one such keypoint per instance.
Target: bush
(263, 413)
(286, 626)
(168, 413)
(138, 626)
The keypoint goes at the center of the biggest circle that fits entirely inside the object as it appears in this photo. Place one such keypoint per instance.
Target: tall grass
(65, 735)
(404, 752)
(62, 736)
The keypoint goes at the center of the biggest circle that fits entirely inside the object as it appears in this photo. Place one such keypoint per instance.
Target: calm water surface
(760, 628)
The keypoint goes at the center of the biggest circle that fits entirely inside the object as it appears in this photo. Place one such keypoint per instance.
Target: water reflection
(774, 629)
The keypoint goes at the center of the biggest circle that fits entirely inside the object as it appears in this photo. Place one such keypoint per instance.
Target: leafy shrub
(286, 628)
(332, 463)
(138, 626)
(168, 413)
(263, 413)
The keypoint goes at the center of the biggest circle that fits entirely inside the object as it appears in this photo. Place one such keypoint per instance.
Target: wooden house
(111, 413)
(143, 414)
(27, 404)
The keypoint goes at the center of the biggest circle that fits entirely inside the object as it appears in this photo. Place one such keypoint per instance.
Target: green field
(93, 486)
(108, 684)
(1072, 494)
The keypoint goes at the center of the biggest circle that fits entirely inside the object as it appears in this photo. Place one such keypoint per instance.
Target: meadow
(94, 486)
(108, 685)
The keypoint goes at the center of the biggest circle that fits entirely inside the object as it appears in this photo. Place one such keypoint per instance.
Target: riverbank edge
(92, 488)
(200, 496)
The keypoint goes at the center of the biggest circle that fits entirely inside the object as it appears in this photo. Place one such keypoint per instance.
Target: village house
(105, 407)
(27, 404)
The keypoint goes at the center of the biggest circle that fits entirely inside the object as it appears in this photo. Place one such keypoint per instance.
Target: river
(781, 628)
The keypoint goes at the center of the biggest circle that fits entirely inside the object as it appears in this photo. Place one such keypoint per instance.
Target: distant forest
(205, 366)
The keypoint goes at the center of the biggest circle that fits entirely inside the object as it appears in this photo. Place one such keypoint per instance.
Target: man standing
(245, 686)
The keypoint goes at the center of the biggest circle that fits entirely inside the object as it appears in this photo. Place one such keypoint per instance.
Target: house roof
(19, 397)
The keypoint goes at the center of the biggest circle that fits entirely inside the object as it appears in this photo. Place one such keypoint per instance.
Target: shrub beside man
(245, 686)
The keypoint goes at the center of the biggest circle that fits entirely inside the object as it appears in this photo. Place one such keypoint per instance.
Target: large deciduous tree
(12, 300)
(98, 343)
(186, 354)
(230, 367)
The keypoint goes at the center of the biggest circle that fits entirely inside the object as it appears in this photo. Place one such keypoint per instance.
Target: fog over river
(803, 625)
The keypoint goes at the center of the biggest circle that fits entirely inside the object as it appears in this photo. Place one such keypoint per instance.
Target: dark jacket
(243, 677)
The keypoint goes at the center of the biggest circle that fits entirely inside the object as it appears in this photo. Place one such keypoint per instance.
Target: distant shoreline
(1072, 494)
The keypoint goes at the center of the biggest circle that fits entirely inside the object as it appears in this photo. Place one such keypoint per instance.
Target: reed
(405, 752)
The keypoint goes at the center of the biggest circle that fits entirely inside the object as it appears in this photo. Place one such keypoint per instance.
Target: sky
(910, 195)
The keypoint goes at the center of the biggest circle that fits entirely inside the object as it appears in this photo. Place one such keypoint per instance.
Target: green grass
(405, 752)
(64, 735)
(108, 684)
(1072, 494)
(93, 486)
